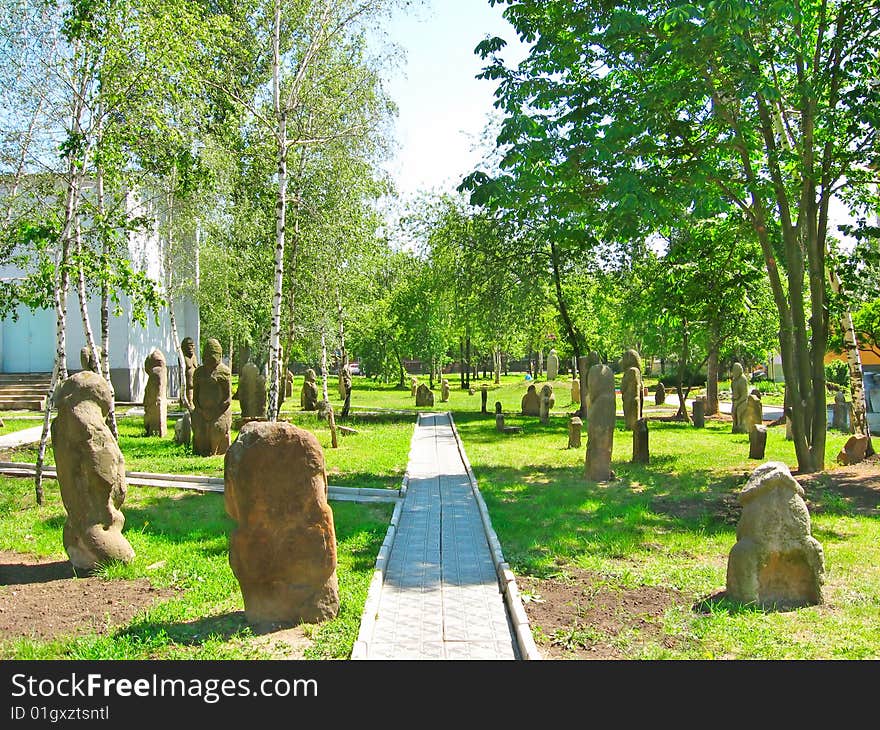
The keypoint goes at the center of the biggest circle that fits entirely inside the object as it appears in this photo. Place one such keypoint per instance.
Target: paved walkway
(20, 438)
(440, 598)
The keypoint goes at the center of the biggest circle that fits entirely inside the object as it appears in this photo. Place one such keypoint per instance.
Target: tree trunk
(712, 378)
(105, 292)
(330, 417)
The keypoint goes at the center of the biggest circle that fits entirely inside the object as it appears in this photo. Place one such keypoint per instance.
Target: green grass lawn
(668, 524)
(181, 540)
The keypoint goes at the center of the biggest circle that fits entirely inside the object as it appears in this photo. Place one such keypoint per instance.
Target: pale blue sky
(443, 109)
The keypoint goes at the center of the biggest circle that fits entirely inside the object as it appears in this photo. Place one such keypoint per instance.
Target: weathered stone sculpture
(283, 550)
(484, 397)
(190, 363)
(308, 397)
(631, 388)
(499, 417)
(641, 453)
(343, 384)
(424, 396)
(575, 425)
(600, 427)
(413, 385)
(699, 412)
(183, 429)
(252, 392)
(659, 394)
(91, 473)
(854, 450)
(775, 561)
(547, 402)
(739, 389)
(576, 390)
(531, 402)
(552, 365)
(88, 360)
(840, 418)
(212, 400)
(757, 441)
(444, 390)
(754, 412)
(155, 402)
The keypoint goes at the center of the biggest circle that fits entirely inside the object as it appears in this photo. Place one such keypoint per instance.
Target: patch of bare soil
(583, 616)
(857, 486)
(44, 599)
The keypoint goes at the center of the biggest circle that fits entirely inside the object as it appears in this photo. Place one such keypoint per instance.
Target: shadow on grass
(221, 627)
(719, 603)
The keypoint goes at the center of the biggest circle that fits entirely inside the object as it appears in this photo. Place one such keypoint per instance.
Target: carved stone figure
(531, 402)
(547, 402)
(444, 390)
(91, 473)
(631, 388)
(576, 390)
(575, 425)
(252, 392)
(212, 400)
(283, 550)
(190, 363)
(308, 397)
(424, 396)
(88, 360)
(600, 426)
(659, 394)
(155, 402)
(552, 365)
(739, 389)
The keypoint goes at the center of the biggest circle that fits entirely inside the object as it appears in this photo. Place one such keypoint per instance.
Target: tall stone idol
(252, 392)
(547, 401)
(552, 365)
(155, 402)
(343, 383)
(88, 360)
(600, 427)
(91, 473)
(283, 550)
(444, 390)
(631, 388)
(212, 399)
(531, 402)
(424, 396)
(308, 397)
(739, 390)
(190, 363)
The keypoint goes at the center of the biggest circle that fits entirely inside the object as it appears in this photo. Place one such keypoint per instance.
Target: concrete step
(36, 390)
(22, 404)
(25, 378)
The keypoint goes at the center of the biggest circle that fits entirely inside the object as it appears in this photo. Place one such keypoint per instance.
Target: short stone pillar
(183, 429)
(775, 562)
(91, 473)
(212, 400)
(499, 417)
(754, 412)
(575, 425)
(444, 390)
(283, 549)
(600, 426)
(552, 365)
(413, 385)
(308, 395)
(547, 403)
(576, 391)
(641, 453)
(854, 450)
(531, 402)
(155, 402)
(484, 396)
(757, 441)
(698, 409)
(424, 396)
(252, 392)
(659, 394)
(840, 419)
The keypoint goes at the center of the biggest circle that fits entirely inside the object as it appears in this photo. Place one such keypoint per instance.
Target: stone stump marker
(444, 390)
(283, 549)
(699, 412)
(252, 392)
(531, 402)
(424, 396)
(840, 419)
(641, 453)
(775, 562)
(91, 473)
(155, 402)
(190, 363)
(853, 451)
(631, 388)
(600, 426)
(739, 389)
(308, 396)
(659, 394)
(547, 403)
(575, 426)
(552, 365)
(183, 429)
(576, 391)
(499, 417)
(484, 396)
(212, 401)
(757, 441)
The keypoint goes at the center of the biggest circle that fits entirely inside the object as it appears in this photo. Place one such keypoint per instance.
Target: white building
(27, 344)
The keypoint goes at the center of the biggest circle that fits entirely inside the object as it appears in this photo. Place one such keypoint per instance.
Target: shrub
(837, 371)
(670, 380)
